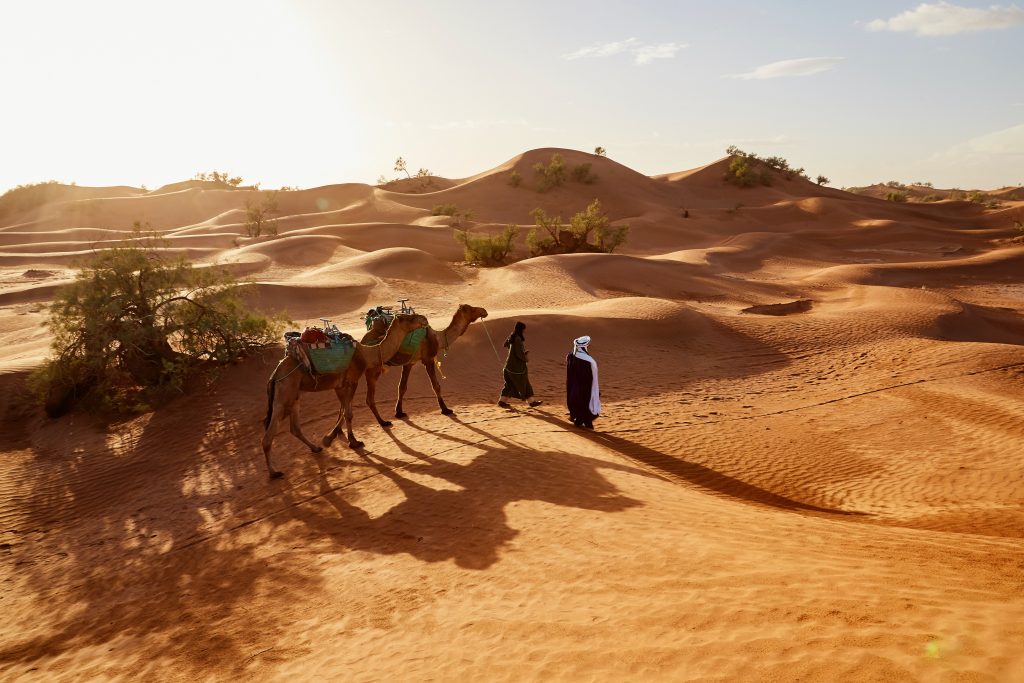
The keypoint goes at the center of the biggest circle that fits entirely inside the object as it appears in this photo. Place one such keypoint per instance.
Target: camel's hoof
(447, 411)
(326, 441)
(355, 445)
(276, 475)
(385, 424)
(316, 449)
(400, 415)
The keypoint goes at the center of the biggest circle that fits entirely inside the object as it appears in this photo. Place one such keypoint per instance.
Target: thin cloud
(808, 66)
(643, 53)
(946, 19)
(646, 54)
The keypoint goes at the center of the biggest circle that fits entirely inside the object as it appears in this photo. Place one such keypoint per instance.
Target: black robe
(579, 378)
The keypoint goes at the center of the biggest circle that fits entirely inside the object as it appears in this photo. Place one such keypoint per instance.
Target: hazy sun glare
(156, 92)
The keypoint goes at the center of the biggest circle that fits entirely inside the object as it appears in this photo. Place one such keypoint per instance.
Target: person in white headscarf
(582, 391)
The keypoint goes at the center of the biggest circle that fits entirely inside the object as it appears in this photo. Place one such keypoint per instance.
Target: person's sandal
(534, 404)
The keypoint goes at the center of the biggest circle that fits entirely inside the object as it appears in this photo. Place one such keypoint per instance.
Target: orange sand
(822, 495)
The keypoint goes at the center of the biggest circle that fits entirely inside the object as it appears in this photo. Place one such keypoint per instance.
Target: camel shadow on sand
(462, 520)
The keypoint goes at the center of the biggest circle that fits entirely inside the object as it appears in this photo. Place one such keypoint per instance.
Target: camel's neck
(456, 328)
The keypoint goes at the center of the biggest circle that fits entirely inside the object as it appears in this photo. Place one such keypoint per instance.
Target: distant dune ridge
(808, 468)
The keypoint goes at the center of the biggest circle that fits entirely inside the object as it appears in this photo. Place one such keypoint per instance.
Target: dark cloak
(517, 380)
(579, 376)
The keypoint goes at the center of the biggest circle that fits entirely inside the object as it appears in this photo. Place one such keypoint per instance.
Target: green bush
(743, 173)
(515, 179)
(550, 236)
(488, 250)
(896, 197)
(136, 324)
(775, 162)
(822, 180)
(444, 210)
(600, 151)
(582, 174)
(552, 175)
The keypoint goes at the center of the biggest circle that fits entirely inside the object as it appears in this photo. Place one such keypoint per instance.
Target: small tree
(543, 237)
(600, 151)
(552, 175)
(260, 217)
(488, 250)
(400, 167)
(822, 180)
(136, 322)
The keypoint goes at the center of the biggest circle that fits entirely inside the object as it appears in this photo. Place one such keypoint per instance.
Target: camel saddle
(329, 354)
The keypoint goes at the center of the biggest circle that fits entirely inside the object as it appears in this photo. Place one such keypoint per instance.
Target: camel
(426, 353)
(290, 379)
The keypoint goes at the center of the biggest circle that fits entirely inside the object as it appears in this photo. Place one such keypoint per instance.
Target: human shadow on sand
(463, 519)
(678, 469)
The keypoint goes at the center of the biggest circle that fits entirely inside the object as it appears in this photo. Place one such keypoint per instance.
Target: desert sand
(809, 465)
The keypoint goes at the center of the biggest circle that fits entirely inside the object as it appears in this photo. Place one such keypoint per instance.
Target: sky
(315, 92)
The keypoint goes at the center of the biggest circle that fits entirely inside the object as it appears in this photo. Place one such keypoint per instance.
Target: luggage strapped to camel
(321, 350)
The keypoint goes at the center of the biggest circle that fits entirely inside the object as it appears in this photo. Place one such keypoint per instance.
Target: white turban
(581, 343)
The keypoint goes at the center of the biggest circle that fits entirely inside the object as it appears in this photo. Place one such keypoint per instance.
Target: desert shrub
(260, 217)
(552, 175)
(956, 194)
(931, 198)
(26, 197)
(743, 173)
(444, 210)
(896, 185)
(822, 180)
(515, 179)
(550, 236)
(1019, 225)
(136, 324)
(600, 151)
(896, 196)
(774, 162)
(489, 250)
(218, 177)
(582, 174)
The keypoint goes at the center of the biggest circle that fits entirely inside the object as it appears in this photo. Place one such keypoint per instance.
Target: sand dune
(808, 467)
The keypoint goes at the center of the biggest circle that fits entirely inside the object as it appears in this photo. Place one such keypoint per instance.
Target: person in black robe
(515, 372)
(582, 391)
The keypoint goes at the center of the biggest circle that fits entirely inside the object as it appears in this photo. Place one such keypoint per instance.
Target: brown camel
(433, 343)
(290, 379)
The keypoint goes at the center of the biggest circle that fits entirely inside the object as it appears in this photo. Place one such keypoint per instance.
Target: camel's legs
(403, 384)
(336, 429)
(371, 400)
(268, 441)
(297, 428)
(428, 365)
(278, 410)
(347, 392)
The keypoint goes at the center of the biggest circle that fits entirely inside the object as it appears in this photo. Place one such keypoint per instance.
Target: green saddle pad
(412, 341)
(333, 359)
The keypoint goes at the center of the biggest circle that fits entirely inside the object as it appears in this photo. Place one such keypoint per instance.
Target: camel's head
(472, 313)
(410, 321)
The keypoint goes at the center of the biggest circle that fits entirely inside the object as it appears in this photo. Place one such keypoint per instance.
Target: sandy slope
(832, 494)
